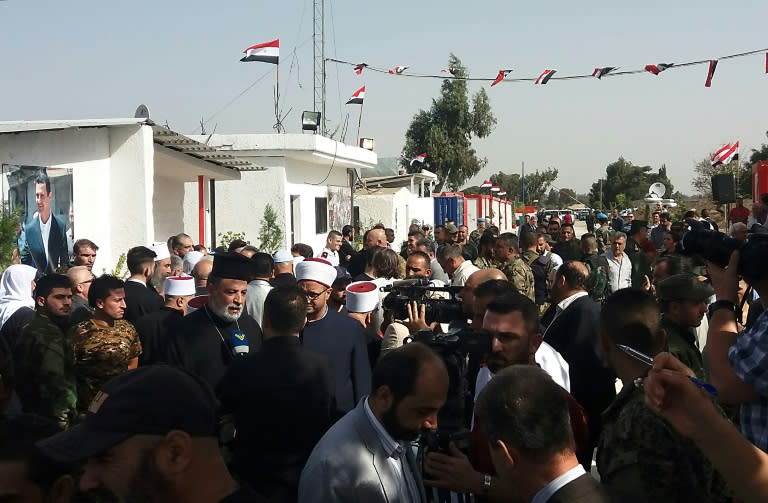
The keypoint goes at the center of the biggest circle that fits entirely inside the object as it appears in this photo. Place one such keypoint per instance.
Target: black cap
(684, 287)
(232, 266)
(637, 225)
(150, 400)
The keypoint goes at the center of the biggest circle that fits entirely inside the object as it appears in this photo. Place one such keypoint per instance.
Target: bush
(225, 238)
(271, 237)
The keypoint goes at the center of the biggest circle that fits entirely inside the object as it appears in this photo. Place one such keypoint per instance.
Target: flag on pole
(268, 52)
(452, 71)
(397, 70)
(710, 72)
(766, 62)
(357, 97)
(419, 158)
(602, 72)
(359, 68)
(657, 69)
(725, 154)
(545, 76)
(500, 76)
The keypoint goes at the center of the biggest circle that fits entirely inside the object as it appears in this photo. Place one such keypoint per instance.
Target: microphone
(238, 341)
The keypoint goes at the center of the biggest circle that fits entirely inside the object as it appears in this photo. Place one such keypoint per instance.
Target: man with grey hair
(454, 263)
(619, 265)
(739, 231)
(527, 422)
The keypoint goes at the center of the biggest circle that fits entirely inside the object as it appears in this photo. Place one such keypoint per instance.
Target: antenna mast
(318, 38)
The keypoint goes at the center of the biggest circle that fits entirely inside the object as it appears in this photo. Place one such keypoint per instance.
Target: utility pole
(522, 185)
(318, 52)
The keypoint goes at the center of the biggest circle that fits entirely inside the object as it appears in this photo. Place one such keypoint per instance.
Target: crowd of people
(244, 376)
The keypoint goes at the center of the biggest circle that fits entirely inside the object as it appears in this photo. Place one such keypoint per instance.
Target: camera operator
(738, 361)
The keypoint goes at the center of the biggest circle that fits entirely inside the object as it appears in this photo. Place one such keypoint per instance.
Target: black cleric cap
(232, 266)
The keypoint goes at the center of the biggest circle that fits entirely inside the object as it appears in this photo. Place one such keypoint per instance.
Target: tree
(445, 132)
(623, 177)
(270, 234)
(536, 185)
(702, 179)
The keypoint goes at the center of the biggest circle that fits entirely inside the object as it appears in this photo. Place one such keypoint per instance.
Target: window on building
(321, 215)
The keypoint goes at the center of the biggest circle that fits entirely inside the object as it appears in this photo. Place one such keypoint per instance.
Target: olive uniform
(598, 281)
(642, 455)
(604, 235)
(520, 275)
(640, 265)
(681, 343)
(101, 353)
(45, 371)
(541, 267)
(483, 263)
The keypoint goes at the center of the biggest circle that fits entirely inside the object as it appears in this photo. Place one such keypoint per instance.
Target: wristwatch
(722, 304)
(486, 484)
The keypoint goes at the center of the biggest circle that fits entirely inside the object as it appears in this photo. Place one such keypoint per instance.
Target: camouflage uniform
(483, 263)
(45, 371)
(642, 455)
(604, 234)
(474, 237)
(101, 353)
(681, 343)
(639, 261)
(598, 282)
(520, 275)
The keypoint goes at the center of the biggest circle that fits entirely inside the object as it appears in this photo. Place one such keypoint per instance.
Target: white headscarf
(16, 290)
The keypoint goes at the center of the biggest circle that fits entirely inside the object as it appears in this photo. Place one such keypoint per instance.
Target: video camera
(718, 247)
(419, 290)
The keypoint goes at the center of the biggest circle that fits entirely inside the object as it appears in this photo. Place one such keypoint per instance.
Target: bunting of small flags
(710, 72)
(500, 76)
(602, 72)
(397, 70)
(267, 52)
(725, 154)
(544, 77)
(357, 97)
(359, 68)
(657, 69)
(452, 71)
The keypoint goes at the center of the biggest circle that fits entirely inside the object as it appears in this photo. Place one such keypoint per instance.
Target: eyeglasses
(313, 295)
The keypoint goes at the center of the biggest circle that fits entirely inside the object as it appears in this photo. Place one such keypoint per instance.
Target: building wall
(396, 210)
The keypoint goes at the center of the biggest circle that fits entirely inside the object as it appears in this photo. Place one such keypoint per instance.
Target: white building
(127, 178)
(306, 178)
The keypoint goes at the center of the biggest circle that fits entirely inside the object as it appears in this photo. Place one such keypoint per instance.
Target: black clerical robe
(153, 330)
(200, 343)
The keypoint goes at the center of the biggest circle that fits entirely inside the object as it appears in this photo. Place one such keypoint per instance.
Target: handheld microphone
(239, 342)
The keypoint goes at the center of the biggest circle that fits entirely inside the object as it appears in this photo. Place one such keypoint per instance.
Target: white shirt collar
(550, 489)
(563, 304)
(391, 446)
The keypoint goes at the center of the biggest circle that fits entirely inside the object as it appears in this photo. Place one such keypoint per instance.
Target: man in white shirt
(331, 250)
(46, 245)
(263, 270)
(459, 269)
(619, 265)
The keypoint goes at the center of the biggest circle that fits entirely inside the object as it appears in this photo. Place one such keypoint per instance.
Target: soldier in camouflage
(45, 365)
(597, 265)
(639, 453)
(475, 235)
(106, 345)
(508, 261)
(604, 233)
(541, 267)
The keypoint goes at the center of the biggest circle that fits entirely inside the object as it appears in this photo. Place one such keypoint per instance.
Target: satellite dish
(142, 112)
(657, 190)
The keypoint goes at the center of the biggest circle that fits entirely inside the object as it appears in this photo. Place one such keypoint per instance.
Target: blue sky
(86, 59)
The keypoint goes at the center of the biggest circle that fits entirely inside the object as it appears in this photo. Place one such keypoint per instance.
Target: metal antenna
(318, 52)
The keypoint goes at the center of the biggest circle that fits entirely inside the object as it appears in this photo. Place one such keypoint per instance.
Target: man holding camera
(738, 361)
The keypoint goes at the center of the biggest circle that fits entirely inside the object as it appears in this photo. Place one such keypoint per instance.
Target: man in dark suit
(281, 399)
(527, 423)
(140, 300)
(46, 239)
(572, 329)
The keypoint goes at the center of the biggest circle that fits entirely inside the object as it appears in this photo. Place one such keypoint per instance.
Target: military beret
(684, 287)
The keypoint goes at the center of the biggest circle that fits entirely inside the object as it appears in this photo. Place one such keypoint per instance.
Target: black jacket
(282, 401)
(140, 300)
(583, 489)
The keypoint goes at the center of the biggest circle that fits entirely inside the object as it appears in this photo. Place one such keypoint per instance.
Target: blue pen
(649, 361)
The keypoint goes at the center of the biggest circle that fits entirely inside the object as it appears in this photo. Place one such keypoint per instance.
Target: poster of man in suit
(43, 195)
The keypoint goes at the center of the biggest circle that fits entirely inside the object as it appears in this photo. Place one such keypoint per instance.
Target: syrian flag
(725, 154)
(545, 76)
(419, 158)
(657, 69)
(397, 70)
(500, 76)
(452, 71)
(602, 72)
(359, 68)
(357, 97)
(766, 62)
(268, 52)
(710, 72)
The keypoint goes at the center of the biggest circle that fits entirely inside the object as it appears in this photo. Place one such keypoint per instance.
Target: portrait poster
(339, 207)
(42, 196)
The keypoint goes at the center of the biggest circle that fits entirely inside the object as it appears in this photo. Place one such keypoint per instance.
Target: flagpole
(359, 120)
(278, 125)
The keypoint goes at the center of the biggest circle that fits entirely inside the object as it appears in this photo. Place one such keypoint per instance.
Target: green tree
(537, 184)
(446, 130)
(270, 234)
(623, 177)
(9, 229)
(225, 238)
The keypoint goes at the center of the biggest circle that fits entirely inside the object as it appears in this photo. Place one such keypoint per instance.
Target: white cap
(161, 249)
(362, 297)
(180, 286)
(297, 259)
(315, 269)
(281, 256)
(190, 260)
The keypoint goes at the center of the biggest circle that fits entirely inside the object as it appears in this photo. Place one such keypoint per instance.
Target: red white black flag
(397, 70)
(357, 97)
(359, 68)
(500, 76)
(725, 154)
(710, 72)
(268, 52)
(419, 158)
(657, 69)
(602, 72)
(452, 71)
(545, 76)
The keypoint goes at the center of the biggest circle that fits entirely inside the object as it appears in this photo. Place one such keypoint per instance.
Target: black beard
(395, 429)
